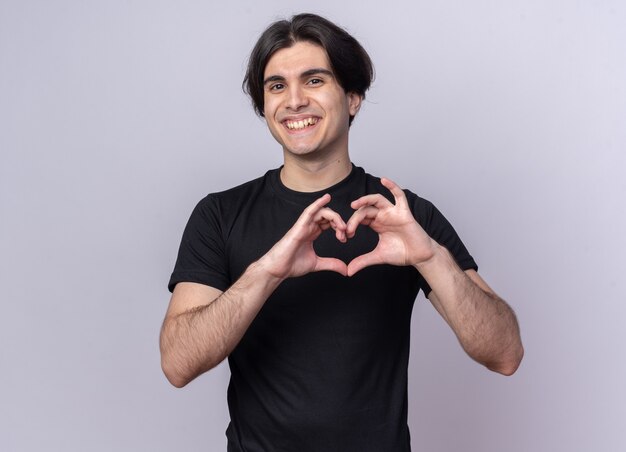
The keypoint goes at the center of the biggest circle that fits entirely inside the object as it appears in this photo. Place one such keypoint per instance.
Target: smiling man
(305, 278)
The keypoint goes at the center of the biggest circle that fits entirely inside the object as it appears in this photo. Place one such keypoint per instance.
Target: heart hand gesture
(402, 241)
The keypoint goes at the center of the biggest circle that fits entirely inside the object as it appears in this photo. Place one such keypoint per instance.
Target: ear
(354, 102)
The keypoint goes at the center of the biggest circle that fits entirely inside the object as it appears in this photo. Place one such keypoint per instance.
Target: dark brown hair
(349, 61)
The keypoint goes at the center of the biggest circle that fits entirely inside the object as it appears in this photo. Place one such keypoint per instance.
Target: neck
(314, 175)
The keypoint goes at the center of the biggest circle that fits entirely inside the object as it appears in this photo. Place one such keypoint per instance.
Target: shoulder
(235, 196)
(218, 211)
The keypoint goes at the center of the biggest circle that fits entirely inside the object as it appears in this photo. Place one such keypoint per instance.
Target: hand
(402, 241)
(293, 255)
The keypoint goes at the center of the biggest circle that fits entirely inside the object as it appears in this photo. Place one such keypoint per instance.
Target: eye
(315, 81)
(276, 87)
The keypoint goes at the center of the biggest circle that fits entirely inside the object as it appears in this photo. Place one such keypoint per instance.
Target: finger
(376, 200)
(396, 191)
(331, 264)
(341, 235)
(331, 216)
(326, 218)
(314, 207)
(365, 215)
(365, 260)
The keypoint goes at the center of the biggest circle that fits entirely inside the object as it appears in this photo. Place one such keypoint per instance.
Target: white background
(116, 117)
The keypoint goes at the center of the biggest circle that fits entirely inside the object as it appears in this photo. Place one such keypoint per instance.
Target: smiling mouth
(300, 124)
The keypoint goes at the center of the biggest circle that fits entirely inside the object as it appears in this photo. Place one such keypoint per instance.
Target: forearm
(195, 341)
(484, 324)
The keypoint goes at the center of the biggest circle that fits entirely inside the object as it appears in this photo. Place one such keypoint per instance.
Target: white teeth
(301, 124)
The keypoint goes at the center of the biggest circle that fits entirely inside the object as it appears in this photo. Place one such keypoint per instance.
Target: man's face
(306, 109)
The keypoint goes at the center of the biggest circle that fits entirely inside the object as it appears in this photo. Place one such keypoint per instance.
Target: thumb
(365, 260)
(331, 264)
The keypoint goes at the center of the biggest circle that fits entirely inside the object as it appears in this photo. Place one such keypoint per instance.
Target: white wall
(117, 117)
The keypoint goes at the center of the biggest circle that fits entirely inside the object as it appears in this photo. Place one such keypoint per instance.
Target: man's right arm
(203, 325)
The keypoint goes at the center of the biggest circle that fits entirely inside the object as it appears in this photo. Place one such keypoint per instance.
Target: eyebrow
(305, 74)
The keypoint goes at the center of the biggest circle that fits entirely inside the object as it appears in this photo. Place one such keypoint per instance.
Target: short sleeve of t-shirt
(201, 256)
(440, 230)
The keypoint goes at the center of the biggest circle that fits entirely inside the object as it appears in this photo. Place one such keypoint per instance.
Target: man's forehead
(297, 59)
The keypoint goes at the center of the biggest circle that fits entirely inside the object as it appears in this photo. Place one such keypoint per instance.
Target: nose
(296, 98)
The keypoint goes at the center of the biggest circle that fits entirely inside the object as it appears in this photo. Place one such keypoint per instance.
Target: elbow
(510, 364)
(177, 382)
(171, 367)
(179, 365)
(173, 374)
(180, 373)
(503, 369)
(177, 370)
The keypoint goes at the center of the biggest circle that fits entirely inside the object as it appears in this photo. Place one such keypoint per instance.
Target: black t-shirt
(323, 367)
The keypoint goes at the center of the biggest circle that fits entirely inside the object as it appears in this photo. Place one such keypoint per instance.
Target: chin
(301, 151)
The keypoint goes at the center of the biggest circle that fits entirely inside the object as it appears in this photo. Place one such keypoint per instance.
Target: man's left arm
(484, 324)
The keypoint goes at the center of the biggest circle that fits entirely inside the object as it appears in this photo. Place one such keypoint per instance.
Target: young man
(306, 277)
